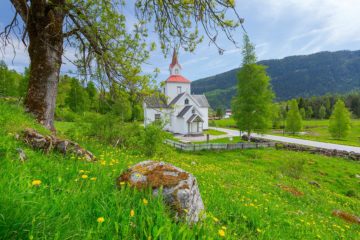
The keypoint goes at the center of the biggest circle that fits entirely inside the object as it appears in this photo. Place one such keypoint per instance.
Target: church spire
(174, 59)
(175, 67)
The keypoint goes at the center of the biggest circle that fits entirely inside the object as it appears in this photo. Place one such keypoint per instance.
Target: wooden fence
(218, 146)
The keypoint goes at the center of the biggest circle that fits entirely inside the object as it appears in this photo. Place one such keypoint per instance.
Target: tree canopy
(253, 103)
(339, 125)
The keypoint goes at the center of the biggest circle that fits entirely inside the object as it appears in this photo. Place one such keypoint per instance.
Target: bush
(66, 115)
(154, 137)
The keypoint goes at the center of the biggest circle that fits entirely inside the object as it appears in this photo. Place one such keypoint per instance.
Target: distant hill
(295, 76)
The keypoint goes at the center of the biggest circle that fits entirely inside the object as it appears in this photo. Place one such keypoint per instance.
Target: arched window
(176, 71)
(186, 101)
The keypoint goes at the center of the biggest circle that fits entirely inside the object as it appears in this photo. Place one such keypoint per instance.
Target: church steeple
(175, 67)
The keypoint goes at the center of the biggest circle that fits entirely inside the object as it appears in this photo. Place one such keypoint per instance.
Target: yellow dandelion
(145, 201)
(221, 233)
(215, 219)
(100, 220)
(93, 179)
(122, 183)
(132, 213)
(36, 183)
(223, 227)
(81, 171)
(258, 230)
(84, 176)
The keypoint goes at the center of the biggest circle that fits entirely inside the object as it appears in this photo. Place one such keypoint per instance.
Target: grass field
(224, 140)
(214, 132)
(252, 194)
(316, 130)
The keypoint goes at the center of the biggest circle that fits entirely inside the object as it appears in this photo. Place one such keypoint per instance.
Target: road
(310, 143)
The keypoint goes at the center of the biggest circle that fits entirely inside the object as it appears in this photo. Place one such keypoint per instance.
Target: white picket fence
(217, 146)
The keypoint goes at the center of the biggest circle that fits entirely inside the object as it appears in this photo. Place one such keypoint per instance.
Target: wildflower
(36, 183)
(215, 219)
(221, 233)
(84, 176)
(81, 171)
(132, 213)
(223, 227)
(122, 183)
(145, 201)
(93, 179)
(258, 230)
(100, 220)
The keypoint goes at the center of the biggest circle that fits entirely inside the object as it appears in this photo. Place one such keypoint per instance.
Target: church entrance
(195, 125)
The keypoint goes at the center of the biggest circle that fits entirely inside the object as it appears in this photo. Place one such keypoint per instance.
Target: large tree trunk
(45, 50)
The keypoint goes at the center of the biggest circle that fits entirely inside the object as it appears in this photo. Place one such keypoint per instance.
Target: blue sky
(278, 28)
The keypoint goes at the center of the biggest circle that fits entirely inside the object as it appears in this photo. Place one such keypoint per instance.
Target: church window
(176, 71)
(186, 101)
(178, 89)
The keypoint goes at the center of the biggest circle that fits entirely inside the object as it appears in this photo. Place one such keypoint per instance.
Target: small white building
(228, 113)
(181, 112)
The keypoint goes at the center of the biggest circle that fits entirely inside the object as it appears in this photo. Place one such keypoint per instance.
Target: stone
(314, 183)
(50, 142)
(22, 155)
(179, 188)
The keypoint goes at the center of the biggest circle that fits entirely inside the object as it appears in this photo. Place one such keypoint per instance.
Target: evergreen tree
(339, 126)
(252, 106)
(302, 113)
(293, 120)
(309, 112)
(322, 112)
(219, 112)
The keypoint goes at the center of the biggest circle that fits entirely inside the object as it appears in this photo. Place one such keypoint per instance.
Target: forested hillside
(297, 76)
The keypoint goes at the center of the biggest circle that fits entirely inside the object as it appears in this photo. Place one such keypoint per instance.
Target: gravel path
(294, 140)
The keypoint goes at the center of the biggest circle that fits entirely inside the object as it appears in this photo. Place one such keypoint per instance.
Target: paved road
(294, 140)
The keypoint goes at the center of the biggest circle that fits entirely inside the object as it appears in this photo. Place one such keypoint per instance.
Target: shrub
(154, 137)
(66, 115)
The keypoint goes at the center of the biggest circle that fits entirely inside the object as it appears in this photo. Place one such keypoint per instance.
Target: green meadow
(249, 194)
(316, 130)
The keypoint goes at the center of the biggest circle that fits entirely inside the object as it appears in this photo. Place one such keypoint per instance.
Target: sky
(278, 28)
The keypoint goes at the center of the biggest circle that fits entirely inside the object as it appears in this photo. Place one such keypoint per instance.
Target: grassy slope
(317, 130)
(238, 188)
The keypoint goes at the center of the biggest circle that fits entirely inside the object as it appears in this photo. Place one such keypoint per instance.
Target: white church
(181, 112)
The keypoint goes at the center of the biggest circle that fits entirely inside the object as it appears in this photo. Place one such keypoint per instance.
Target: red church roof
(177, 79)
(174, 60)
